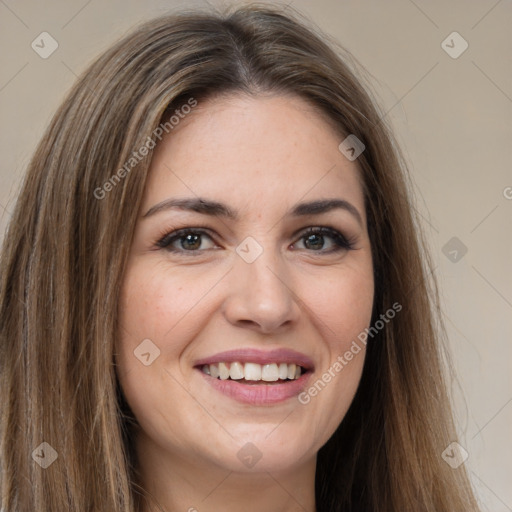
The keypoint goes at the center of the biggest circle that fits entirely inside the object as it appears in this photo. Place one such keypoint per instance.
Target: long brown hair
(66, 247)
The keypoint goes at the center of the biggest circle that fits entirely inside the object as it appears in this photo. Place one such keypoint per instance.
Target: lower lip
(258, 394)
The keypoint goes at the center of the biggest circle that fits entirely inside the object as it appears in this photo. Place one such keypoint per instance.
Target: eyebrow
(216, 209)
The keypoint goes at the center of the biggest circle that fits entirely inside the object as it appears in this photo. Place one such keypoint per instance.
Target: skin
(259, 155)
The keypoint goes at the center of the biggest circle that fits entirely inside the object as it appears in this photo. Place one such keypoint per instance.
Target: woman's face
(244, 290)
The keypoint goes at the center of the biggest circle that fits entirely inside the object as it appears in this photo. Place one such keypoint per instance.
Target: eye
(314, 239)
(189, 240)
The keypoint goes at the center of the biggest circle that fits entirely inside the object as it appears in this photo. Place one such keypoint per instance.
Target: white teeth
(270, 372)
(236, 371)
(214, 371)
(283, 371)
(223, 371)
(252, 371)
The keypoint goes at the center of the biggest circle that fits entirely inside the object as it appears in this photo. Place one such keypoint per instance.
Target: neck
(174, 483)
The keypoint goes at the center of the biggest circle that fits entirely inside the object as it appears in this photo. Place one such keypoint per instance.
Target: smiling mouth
(254, 373)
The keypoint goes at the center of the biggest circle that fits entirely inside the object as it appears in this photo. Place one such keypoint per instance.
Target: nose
(261, 296)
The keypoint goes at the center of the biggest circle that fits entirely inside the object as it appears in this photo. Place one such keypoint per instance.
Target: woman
(213, 289)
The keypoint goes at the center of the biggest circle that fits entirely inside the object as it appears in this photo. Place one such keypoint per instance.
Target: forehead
(250, 151)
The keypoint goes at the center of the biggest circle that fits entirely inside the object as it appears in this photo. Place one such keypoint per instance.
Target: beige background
(453, 116)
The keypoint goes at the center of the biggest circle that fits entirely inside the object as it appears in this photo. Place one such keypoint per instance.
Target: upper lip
(249, 355)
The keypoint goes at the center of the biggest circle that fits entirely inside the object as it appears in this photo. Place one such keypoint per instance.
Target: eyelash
(340, 241)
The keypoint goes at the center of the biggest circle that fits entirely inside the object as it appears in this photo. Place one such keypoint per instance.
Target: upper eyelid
(211, 232)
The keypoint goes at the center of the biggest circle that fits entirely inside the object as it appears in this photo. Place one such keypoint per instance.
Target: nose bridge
(260, 291)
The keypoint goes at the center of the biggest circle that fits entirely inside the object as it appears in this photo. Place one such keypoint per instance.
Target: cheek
(349, 314)
(343, 305)
(151, 307)
(161, 309)
(155, 321)
(157, 304)
(341, 311)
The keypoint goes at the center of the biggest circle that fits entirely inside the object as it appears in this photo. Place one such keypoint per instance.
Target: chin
(266, 451)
